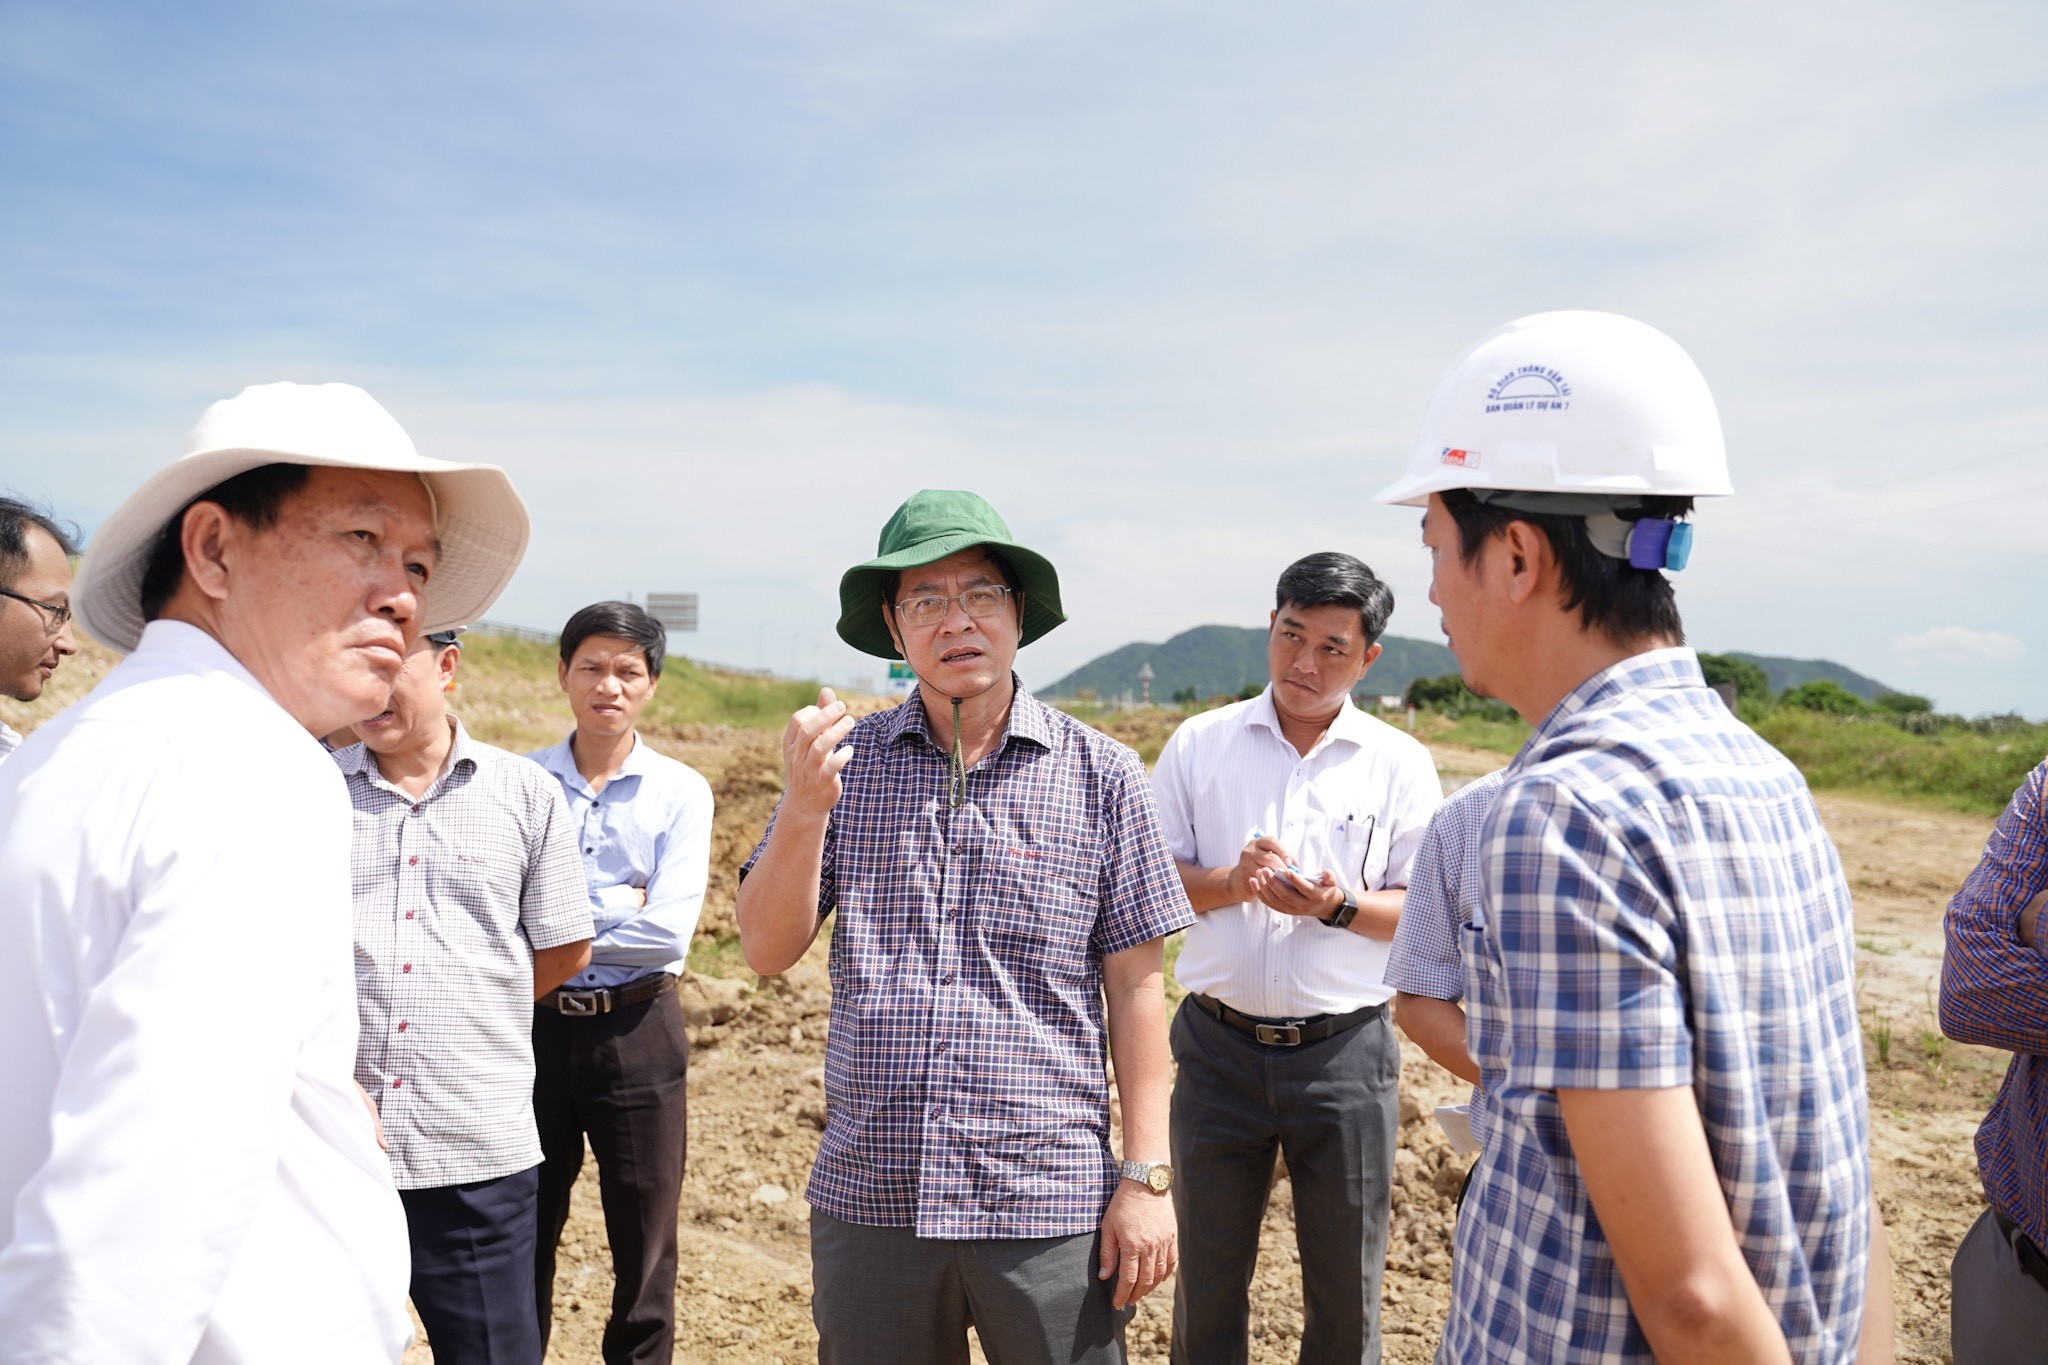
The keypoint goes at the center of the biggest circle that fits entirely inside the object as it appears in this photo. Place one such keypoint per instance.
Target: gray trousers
(1331, 1108)
(885, 1296)
(1998, 1315)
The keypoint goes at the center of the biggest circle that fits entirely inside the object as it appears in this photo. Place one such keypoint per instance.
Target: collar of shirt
(10, 739)
(1676, 666)
(1029, 719)
(560, 759)
(357, 758)
(1349, 726)
(194, 651)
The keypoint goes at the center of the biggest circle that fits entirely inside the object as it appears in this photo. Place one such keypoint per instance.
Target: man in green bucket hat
(999, 873)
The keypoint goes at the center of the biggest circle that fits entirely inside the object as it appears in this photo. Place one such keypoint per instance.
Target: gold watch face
(1159, 1179)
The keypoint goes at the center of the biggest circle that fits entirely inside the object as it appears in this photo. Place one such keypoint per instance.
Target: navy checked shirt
(1994, 991)
(965, 1080)
(1660, 907)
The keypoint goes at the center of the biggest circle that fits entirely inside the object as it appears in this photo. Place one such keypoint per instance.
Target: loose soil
(757, 1106)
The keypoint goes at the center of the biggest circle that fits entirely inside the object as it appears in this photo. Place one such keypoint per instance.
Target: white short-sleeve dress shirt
(187, 1170)
(1356, 804)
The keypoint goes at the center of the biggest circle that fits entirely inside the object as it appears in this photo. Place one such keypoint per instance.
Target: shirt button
(407, 967)
(396, 1082)
(946, 980)
(590, 850)
(415, 810)
(941, 1047)
(401, 1026)
(408, 915)
(412, 860)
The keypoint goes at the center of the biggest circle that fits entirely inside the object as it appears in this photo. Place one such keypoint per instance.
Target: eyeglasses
(929, 611)
(59, 616)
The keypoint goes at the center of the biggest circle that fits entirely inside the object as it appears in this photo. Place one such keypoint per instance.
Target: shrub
(1826, 696)
(1903, 703)
(1449, 696)
(1750, 682)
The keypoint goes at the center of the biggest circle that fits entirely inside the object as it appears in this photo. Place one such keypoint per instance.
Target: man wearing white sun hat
(188, 1171)
(1660, 972)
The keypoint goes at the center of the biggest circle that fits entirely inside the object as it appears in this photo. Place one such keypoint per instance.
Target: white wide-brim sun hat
(482, 524)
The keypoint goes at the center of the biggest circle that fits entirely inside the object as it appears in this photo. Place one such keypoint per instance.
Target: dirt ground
(757, 1105)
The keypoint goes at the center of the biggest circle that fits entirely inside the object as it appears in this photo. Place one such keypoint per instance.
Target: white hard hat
(1597, 407)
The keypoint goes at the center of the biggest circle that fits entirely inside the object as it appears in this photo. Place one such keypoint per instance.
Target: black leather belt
(2032, 1262)
(605, 999)
(1285, 1032)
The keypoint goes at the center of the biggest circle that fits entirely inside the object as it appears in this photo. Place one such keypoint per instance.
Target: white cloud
(1961, 642)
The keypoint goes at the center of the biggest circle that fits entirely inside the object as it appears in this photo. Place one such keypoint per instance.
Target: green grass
(514, 700)
(1476, 732)
(718, 955)
(1960, 770)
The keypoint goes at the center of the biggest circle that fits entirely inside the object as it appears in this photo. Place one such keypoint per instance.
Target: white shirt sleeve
(1416, 792)
(1169, 793)
(659, 935)
(172, 1099)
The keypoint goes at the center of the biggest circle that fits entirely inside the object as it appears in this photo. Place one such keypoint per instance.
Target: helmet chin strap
(956, 777)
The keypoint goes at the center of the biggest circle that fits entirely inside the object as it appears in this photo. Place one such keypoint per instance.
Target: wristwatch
(1341, 917)
(1155, 1176)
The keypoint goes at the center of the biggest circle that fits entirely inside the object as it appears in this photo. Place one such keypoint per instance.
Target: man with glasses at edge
(35, 605)
(998, 871)
(1293, 817)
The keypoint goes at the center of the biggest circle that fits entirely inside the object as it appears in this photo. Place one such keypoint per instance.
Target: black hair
(1334, 579)
(1009, 575)
(254, 497)
(16, 517)
(618, 621)
(1611, 595)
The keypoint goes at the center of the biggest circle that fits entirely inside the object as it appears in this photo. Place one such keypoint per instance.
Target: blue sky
(1169, 283)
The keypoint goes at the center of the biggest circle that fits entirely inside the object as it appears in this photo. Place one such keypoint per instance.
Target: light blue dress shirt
(649, 829)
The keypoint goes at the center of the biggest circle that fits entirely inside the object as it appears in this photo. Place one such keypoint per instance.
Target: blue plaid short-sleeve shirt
(965, 1080)
(1660, 906)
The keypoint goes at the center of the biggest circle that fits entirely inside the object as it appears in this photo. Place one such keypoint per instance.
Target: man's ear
(1527, 562)
(889, 622)
(1371, 657)
(450, 659)
(208, 537)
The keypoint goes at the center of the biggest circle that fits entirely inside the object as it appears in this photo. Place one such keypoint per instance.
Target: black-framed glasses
(929, 611)
(59, 616)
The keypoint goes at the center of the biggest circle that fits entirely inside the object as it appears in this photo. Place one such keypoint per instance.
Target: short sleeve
(1585, 946)
(554, 904)
(1142, 896)
(1170, 796)
(1424, 959)
(1416, 793)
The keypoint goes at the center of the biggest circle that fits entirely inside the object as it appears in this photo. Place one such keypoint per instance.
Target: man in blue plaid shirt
(1660, 969)
(1002, 885)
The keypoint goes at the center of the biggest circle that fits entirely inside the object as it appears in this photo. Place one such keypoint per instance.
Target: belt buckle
(1278, 1035)
(582, 1004)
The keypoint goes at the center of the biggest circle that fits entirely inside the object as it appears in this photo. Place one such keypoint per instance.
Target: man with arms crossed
(611, 1055)
(1293, 818)
(188, 1171)
(469, 903)
(998, 870)
(1661, 985)
(35, 605)
(1994, 992)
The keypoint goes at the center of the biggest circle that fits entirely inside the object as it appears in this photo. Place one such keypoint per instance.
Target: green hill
(1220, 660)
(1789, 673)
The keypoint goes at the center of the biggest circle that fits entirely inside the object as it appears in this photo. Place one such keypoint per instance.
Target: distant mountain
(1220, 660)
(1785, 673)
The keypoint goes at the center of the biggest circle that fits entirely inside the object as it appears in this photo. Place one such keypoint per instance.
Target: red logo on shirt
(1026, 853)
(1455, 456)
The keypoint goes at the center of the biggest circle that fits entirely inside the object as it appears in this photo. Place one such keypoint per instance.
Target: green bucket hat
(931, 525)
